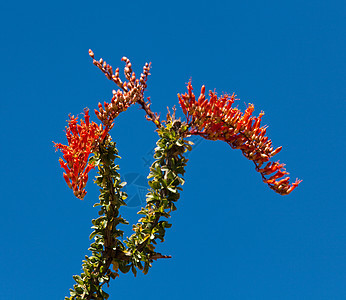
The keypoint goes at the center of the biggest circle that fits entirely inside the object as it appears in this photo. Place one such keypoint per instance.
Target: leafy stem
(139, 249)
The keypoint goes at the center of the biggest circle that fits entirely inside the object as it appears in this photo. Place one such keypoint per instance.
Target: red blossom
(81, 138)
(216, 119)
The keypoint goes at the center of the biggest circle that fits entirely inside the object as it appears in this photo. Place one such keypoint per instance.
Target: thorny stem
(150, 115)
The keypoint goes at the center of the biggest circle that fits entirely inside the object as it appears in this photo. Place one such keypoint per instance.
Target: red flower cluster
(216, 119)
(82, 138)
(130, 92)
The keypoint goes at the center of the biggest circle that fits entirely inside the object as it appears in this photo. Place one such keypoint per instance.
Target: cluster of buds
(82, 139)
(130, 92)
(132, 83)
(216, 119)
(120, 102)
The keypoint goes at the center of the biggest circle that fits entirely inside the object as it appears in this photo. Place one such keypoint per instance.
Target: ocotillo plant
(89, 146)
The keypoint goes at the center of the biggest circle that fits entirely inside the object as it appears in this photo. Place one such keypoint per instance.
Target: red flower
(216, 119)
(82, 138)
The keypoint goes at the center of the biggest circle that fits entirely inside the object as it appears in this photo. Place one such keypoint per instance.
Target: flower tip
(276, 151)
(67, 179)
(297, 182)
(91, 53)
(293, 186)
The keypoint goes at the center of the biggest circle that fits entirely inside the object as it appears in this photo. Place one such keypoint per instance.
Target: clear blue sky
(232, 237)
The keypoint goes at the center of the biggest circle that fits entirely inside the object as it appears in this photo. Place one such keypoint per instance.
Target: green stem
(96, 268)
(166, 175)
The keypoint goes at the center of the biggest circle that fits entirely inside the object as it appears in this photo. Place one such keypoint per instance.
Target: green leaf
(134, 271)
(124, 268)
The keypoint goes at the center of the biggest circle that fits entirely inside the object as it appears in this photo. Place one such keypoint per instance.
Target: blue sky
(232, 237)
